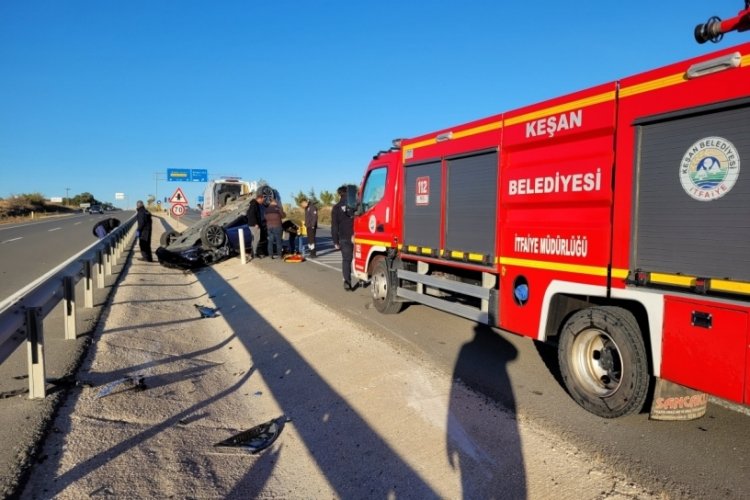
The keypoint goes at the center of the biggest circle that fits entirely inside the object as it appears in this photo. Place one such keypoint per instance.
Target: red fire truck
(613, 222)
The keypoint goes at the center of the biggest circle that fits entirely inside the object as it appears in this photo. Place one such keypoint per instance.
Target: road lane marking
(12, 239)
(53, 229)
(78, 223)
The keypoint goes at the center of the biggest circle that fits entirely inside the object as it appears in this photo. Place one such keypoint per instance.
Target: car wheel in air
(213, 236)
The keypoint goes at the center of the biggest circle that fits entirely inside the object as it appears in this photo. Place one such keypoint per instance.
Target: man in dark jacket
(273, 215)
(342, 230)
(143, 230)
(292, 229)
(254, 220)
(311, 224)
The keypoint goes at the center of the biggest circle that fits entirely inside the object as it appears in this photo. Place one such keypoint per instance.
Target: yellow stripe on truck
(556, 266)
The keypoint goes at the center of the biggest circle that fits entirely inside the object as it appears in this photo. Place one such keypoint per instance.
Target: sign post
(178, 197)
(177, 211)
(179, 203)
(187, 175)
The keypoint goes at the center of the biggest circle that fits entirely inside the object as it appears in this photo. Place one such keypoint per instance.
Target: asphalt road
(29, 250)
(705, 458)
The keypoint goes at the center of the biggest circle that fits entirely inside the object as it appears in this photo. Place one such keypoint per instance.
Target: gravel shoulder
(359, 419)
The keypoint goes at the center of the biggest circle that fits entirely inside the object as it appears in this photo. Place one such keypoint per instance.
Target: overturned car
(213, 238)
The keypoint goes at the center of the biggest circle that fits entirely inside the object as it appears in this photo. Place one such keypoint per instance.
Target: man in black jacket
(143, 226)
(311, 224)
(254, 220)
(342, 230)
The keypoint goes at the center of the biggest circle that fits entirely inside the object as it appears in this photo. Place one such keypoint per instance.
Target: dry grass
(297, 215)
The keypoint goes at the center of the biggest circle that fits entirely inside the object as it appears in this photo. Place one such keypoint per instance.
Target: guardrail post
(35, 348)
(115, 250)
(422, 268)
(99, 270)
(88, 285)
(241, 234)
(69, 307)
(119, 240)
(108, 260)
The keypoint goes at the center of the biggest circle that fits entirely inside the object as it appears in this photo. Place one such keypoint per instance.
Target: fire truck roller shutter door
(472, 204)
(422, 210)
(693, 211)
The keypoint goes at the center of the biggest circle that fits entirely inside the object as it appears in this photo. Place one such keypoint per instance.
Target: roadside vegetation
(325, 201)
(22, 206)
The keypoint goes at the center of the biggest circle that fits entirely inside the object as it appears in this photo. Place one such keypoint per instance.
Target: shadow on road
(337, 437)
(482, 474)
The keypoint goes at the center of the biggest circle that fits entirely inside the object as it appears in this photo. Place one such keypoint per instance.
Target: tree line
(325, 198)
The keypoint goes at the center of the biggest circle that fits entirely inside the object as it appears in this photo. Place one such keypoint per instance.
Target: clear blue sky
(102, 96)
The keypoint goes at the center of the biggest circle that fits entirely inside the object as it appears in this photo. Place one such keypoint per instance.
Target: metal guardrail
(22, 314)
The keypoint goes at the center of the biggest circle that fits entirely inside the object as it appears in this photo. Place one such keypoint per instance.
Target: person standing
(292, 230)
(342, 230)
(273, 215)
(301, 240)
(254, 221)
(311, 224)
(143, 230)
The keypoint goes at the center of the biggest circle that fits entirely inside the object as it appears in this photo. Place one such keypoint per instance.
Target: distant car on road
(96, 209)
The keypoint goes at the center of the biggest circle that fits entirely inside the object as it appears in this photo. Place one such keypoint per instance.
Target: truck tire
(603, 361)
(168, 237)
(383, 288)
(213, 236)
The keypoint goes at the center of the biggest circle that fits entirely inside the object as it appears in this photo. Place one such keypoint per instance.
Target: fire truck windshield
(374, 188)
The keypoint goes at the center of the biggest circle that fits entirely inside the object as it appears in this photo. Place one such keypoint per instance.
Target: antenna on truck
(713, 30)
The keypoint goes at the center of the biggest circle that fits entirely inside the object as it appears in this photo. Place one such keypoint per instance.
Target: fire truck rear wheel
(383, 288)
(603, 361)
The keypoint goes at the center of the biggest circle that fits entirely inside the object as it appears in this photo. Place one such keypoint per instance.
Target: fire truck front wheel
(603, 361)
(383, 287)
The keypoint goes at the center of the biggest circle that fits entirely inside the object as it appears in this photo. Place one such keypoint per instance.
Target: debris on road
(122, 385)
(206, 312)
(258, 438)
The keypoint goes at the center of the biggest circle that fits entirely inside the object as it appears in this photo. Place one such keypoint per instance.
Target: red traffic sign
(177, 210)
(178, 197)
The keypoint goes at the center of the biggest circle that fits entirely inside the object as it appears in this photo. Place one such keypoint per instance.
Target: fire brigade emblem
(709, 168)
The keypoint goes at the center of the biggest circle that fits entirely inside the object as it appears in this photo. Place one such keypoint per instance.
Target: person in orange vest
(302, 239)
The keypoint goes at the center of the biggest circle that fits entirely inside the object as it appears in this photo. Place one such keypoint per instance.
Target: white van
(220, 191)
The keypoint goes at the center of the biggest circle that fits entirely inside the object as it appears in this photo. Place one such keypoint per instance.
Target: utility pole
(67, 197)
(156, 185)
